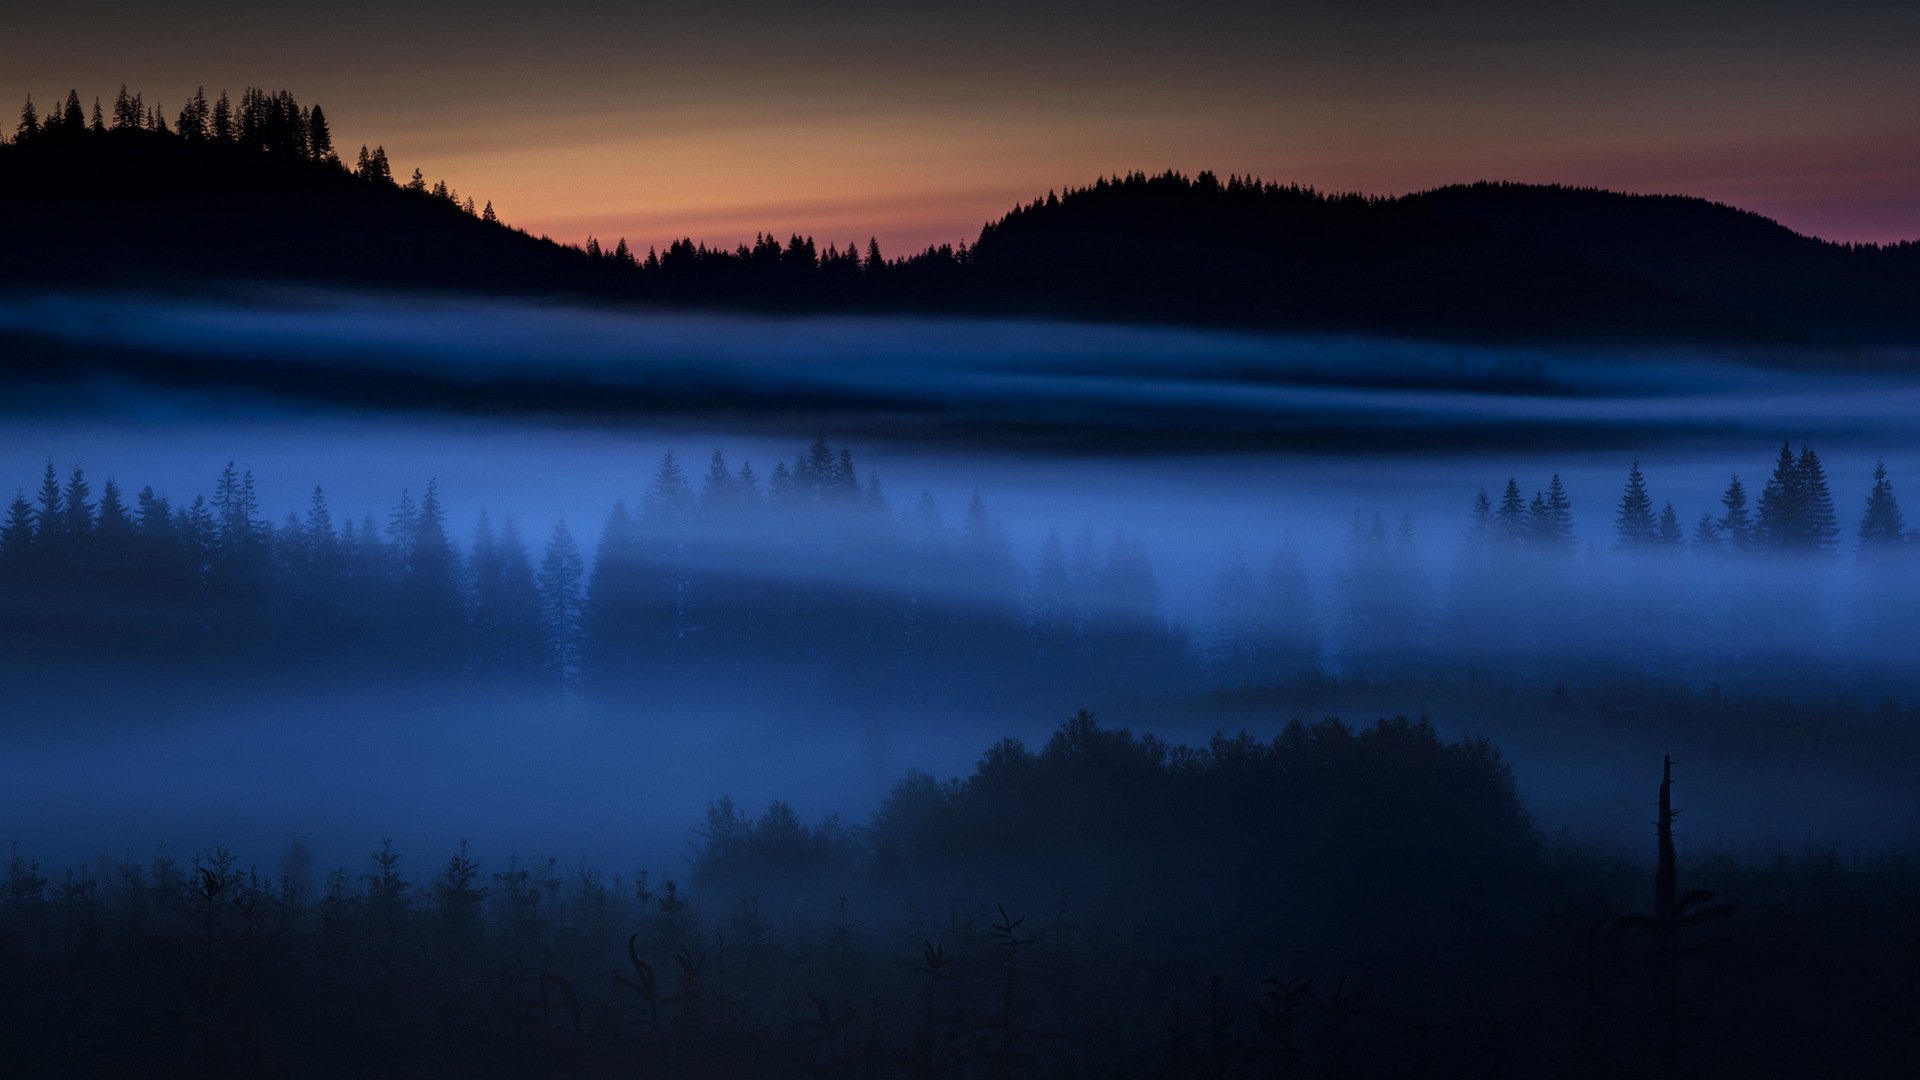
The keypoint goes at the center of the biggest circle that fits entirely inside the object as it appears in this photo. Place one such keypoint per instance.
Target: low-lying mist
(1186, 531)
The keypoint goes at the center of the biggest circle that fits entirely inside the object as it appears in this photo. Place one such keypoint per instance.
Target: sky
(917, 123)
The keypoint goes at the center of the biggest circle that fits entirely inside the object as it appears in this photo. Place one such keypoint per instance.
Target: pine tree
(319, 135)
(1480, 528)
(1881, 525)
(74, 118)
(52, 513)
(1819, 525)
(16, 536)
(29, 126)
(1736, 524)
(1634, 522)
(718, 500)
(1670, 533)
(1558, 534)
(1706, 533)
(1782, 519)
(126, 116)
(1510, 520)
(403, 530)
(487, 215)
(223, 118)
(562, 603)
(670, 502)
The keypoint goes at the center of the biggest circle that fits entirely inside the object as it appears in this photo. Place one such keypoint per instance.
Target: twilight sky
(920, 122)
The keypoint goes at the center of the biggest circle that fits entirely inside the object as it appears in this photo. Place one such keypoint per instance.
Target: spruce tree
(223, 118)
(562, 604)
(1819, 525)
(29, 126)
(16, 536)
(1510, 520)
(1736, 524)
(1782, 515)
(52, 512)
(1706, 533)
(1559, 534)
(1881, 525)
(1670, 533)
(319, 136)
(1634, 522)
(1480, 527)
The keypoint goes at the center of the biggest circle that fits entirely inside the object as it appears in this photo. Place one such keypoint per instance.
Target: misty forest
(1200, 628)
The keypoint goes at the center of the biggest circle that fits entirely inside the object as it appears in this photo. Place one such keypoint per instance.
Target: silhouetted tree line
(1338, 902)
(272, 123)
(1740, 598)
(1482, 261)
(811, 579)
(805, 579)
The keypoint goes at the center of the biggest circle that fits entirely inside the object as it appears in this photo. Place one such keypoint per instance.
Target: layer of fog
(1131, 421)
(1030, 384)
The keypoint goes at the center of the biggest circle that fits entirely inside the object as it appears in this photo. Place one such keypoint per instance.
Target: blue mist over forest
(1331, 554)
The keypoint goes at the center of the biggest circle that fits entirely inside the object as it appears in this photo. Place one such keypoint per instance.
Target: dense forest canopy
(1484, 261)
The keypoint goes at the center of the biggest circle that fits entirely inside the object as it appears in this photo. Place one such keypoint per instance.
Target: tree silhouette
(1634, 521)
(1881, 525)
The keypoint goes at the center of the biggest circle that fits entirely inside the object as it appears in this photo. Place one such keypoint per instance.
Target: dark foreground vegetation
(254, 191)
(1336, 902)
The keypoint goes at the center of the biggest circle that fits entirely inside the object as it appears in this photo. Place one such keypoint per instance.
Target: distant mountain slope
(1734, 258)
(1487, 261)
(1245, 252)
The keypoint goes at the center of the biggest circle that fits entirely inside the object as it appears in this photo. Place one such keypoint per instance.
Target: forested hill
(255, 192)
(1735, 258)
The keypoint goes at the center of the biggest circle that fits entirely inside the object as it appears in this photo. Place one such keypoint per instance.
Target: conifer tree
(223, 118)
(1634, 521)
(77, 520)
(1510, 520)
(1480, 527)
(1819, 526)
(319, 136)
(1736, 524)
(51, 517)
(1706, 533)
(126, 115)
(16, 535)
(1559, 523)
(1782, 508)
(1881, 525)
(29, 126)
(1670, 534)
(562, 603)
